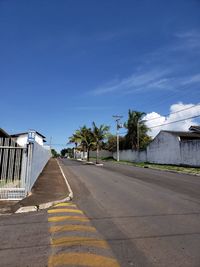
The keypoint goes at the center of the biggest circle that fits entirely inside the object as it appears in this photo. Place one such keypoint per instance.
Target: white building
(173, 147)
(22, 138)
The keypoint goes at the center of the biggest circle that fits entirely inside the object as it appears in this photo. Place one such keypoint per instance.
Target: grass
(181, 169)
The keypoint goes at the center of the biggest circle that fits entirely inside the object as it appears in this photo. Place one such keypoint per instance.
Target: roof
(185, 134)
(195, 128)
(16, 135)
(3, 133)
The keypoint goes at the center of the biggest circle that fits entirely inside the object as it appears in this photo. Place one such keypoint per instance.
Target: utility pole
(50, 141)
(118, 126)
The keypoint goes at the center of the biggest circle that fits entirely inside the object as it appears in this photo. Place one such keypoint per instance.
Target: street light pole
(118, 126)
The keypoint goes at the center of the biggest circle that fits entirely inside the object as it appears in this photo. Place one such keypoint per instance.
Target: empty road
(149, 217)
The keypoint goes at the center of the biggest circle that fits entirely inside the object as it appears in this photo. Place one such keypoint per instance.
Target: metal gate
(12, 169)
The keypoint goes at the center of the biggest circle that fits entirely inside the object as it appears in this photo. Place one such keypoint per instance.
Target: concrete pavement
(49, 188)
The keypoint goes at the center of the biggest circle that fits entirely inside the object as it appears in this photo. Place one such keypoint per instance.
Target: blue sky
(68, 63)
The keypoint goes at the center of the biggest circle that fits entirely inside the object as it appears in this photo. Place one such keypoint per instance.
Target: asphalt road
(24, 240)
(149, 217)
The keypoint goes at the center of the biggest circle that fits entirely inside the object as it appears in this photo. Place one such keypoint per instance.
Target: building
(22, 138)
(175, 147)
(3, 134)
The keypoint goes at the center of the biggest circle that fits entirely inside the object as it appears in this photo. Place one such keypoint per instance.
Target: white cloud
(148, 81)
(192, 79)
(188, 110)
(135, 82)
(189, 40)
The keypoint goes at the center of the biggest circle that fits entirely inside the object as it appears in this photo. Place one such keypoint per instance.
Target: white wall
(39, 159)
(190, 153)
(22, 139)
(131, 155)
(164, 149)
(102, 154)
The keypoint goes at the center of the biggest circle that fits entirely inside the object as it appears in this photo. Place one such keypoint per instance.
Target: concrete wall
(102, 154)
(131, 155)
(164, 149)
(190, 153)
(38, 160)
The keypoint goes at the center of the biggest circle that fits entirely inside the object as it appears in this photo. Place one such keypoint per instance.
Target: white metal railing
(11, 173)
(20, 167)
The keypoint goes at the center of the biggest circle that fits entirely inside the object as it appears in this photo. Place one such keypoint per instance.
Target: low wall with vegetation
(184, 153)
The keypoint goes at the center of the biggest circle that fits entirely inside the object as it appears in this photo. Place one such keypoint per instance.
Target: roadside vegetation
(92, 138)
(181, 169)
(96, 137)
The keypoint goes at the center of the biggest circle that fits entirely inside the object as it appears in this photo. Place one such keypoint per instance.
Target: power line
(56, 144)
(193, 117)
(184, 91)
(174, 112)
(189, 118)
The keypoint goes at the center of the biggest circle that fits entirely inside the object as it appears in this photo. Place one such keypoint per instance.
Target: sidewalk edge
(51, 203)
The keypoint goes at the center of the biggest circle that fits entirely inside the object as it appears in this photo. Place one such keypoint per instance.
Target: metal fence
(11, 169)
(19, 168)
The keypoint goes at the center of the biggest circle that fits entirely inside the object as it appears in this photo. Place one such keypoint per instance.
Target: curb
(89, 162)
(51, 203)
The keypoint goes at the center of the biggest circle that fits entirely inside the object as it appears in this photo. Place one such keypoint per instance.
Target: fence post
(28, 167)
(24, 167)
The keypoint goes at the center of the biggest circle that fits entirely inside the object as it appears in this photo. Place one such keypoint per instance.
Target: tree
(135, 125)
(75, 138)
(66, 152)
(111, 143)
(87, 139)
(99, 135)
(84, 137)
(54, 153)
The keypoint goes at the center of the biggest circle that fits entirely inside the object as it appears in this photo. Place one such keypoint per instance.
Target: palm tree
(135, 124)
(87, 139)
(99, 135)
(75, 138)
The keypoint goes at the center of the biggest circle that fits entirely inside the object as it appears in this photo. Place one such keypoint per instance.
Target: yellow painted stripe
(68, 218)
(71, 227)
(65, 210)
(82, 259)
(65, 205)
(79, 241)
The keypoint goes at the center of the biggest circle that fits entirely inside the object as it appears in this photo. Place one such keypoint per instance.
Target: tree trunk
(97, 155)
(88, 154)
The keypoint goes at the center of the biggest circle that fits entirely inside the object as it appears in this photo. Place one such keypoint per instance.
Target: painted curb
(51, 203)
(26, 209)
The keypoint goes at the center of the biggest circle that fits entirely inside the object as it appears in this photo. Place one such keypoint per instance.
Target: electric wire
(189, 118)
(175, 112)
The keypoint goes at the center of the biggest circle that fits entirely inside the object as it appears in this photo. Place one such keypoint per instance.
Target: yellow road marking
(79, 241)
(82, 259)
(65, 205)
(71, 227)
(68, 218)
(65, 210)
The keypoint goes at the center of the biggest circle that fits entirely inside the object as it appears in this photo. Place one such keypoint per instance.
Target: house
(22, 138)
(195, 129)
(3, 134)
(175, 147)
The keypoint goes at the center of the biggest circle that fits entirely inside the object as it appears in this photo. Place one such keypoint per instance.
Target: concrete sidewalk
(49, 187)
